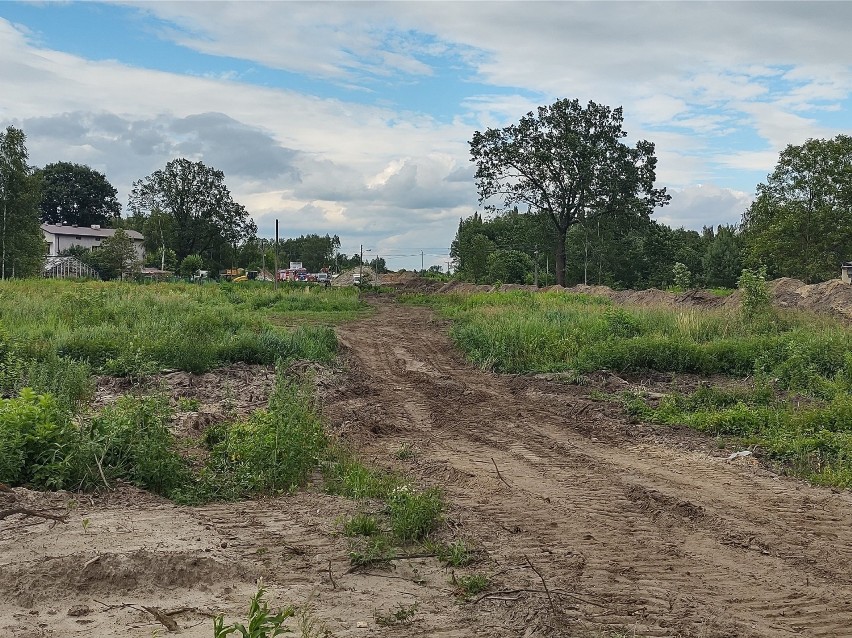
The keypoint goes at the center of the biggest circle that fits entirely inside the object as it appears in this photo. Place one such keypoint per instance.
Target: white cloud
(702, 205)
(720, 89)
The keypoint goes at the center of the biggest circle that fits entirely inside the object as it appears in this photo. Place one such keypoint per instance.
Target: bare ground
(588, 525)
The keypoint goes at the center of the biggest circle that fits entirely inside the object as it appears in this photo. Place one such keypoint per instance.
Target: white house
(61, 237)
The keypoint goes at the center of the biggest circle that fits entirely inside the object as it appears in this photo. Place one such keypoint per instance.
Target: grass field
(796, 409)
(56, 335)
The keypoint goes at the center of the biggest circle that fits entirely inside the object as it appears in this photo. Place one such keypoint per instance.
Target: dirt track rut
(630, 531)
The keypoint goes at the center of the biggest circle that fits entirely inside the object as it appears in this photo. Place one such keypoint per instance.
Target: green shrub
(413, 513)
(130, 440)
(756, 303)
(361, 525)
(274, 450)
(33, 435)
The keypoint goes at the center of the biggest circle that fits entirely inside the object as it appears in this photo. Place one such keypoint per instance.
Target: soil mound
(831, 297)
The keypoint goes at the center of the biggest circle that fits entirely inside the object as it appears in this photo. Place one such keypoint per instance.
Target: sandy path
(640, 534)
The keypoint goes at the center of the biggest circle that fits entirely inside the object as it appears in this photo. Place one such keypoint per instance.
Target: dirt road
(632, 530)
(589, 526)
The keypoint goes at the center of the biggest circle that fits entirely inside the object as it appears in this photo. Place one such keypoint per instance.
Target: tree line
(566, 198)
(185, 212)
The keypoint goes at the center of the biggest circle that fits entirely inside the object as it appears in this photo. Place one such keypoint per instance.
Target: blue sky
(353, 118)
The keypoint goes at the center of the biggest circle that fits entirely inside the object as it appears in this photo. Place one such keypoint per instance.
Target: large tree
(76, 194)
(22, 245)
(568, 163)
(798, 225)
(314, 251)
(187, 207)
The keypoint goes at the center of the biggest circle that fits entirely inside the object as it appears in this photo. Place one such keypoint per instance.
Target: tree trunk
(3, 266)
(561, 256)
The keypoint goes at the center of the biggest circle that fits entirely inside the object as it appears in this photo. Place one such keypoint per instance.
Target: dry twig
(28, 512)
(543, 582)
(331, 576)
(499, 476)
(167, 621)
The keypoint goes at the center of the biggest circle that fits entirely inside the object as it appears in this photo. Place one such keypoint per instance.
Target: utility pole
(361, 265)
(275, 276)
(536, 266)
(422, 269)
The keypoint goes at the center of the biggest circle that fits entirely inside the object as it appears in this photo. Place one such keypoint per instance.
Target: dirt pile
(347, 277)
(831, 297)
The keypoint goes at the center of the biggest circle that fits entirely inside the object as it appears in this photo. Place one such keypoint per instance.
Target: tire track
(661, 539)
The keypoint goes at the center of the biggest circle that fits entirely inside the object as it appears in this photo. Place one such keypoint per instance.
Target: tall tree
(723, 258)
(76, 194)
(21, 241)
(314, 251)
(798, 226)
(569, 164)
(200, 212)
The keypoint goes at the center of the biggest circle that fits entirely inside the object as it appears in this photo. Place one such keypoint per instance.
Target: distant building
(846, 272)
(61, 237)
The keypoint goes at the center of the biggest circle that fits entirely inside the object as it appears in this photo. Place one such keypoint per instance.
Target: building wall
(58, 243)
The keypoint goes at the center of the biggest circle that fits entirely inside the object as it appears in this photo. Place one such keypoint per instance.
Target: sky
(353, 119)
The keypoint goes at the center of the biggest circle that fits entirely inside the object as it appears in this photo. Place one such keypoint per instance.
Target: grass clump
(361, 525)
(472, 584)
(345, 475)
(402, 615)
(272, 451)
(414, 514)
(373, 550)
(454, 554)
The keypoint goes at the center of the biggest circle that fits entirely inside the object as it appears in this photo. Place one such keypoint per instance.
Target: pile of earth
(347, 277)
(831, 297)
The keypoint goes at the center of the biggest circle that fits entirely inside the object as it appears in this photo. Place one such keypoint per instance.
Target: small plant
(188, 404)
(309, 625)
(405, 452)
(414, 514)
(473, 584)
(455, 554)
(262, 623)
(361, 525)
(347, 476)
(402, 615)
(374, 550)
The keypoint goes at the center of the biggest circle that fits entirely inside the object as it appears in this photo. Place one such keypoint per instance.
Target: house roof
(86, 231)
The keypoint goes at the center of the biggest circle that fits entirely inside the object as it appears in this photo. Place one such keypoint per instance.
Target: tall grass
(121, 329)
(786, 356)
(546, 332)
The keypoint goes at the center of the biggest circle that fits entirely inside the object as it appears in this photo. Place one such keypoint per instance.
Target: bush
(275, 450)
(33, 437)
(414, 514)
(755, 301)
